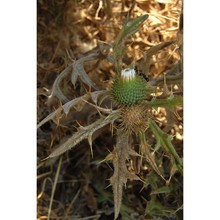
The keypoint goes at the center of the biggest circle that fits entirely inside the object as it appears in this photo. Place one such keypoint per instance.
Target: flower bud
(129, 88)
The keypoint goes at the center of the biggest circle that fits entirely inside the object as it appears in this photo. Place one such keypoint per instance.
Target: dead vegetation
(76, 65)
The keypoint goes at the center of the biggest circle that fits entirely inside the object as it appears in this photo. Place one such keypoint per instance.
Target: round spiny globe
(129, 90)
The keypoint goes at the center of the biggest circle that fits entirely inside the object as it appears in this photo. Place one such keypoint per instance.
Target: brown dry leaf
(78, 103)
(120, 155)
(145, 150)
(84, 133)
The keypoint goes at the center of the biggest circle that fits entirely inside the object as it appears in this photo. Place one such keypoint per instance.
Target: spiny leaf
(83, 133)
(50, 117)
(170, 79)
(121, 174)
(79, 71)
(173, 76)
(145, 62)
(77, 103)
(145, 151)
(170, 102)
(56, 90)
(96, 94)
(165, 141)
(172, 172)
(90, 142)
(129, 28)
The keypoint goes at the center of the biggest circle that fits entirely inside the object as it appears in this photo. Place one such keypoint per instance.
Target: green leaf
(170, 102)
(165, 141)
(129, 28)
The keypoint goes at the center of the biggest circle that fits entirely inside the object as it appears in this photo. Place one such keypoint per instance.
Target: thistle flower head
(129, 88)
(128, 74)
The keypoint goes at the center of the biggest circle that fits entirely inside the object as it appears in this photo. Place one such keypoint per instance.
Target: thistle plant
(132, 98)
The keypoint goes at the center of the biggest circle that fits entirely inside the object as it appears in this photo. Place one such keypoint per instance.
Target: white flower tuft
(128, 74)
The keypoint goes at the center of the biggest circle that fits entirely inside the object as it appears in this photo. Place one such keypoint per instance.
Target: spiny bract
(129, 88)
